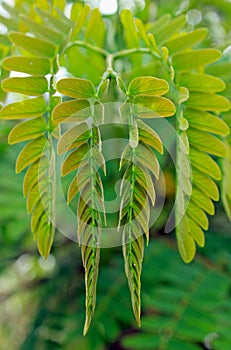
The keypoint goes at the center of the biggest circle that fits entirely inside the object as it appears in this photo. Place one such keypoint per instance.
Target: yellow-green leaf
(196, 232)
(71, 111)
(75, 160)
(95, 21)
(186, 40)
(198, 215)
(149, 136)
(202, 201)
(30, 153)
(33, 174)
(62, 25)
(73, 138)
(76, 88)
(27, 130)
(32, 108)
(201, 82)
(206, 142)
(194, 59)
(131, 35)
(208, 102)
(45, 236)
(185, 242)
(133, 257)
(205, 164)
(31, 86)
(147, 86)
(205, 184)
(29, 65)
(38, 47)
(205, 121)
(153, 107)
(43, 31)
(170, 29)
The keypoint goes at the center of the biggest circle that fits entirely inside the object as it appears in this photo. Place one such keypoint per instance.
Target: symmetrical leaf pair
(85, 158)
(143, 99)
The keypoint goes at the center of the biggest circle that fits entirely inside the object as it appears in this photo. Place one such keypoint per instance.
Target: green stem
(90, 47)
(110, 57)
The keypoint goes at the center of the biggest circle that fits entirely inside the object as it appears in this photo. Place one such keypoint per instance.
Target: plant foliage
(42, 41)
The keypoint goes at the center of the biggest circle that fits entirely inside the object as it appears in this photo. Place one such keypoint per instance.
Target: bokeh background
(42, 303)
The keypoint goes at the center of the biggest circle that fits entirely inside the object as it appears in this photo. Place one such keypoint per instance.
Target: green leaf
(201, 82)
(36, 170)
(196, 232)
(148, 136)
(31, 86)
(38, 47)
(226, 182)
(144, 179)
(147, 86)
(198, 215)
(153, 107)
(32, 108)
(71, 111)
(205, 142)
(79, 20)
(75, 160)
(43, 31)
(142, 155)
(133, 258)
(73, 138)
(205, 164)
(206, 122)
(90, 256)
(29, 65)
(36, 192)
(202, 201)
(185, 242)
(131, 35)
(44, 237)
(194, 59)
(208, 102)
(186, 40)
(76, 88)
(30, 153)
(205, 184)
(158, 24)
(27, 130)
(95, 21)
(170, 29)
(59, 25)
(141, 29)
(73, 190)
(103, 88)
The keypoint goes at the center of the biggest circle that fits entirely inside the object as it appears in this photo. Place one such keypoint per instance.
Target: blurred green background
(184, 306)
